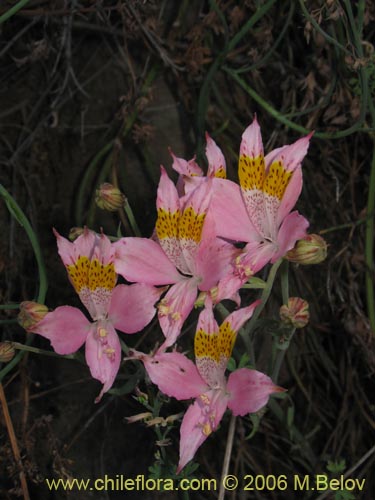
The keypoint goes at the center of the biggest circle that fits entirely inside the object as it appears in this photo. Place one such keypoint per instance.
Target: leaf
(337, 466)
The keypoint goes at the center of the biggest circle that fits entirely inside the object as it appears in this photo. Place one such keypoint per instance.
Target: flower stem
(36, 350)
(228, 453)
(20, 216)
(248, 329)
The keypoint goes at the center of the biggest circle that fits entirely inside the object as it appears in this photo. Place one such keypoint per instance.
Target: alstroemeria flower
(89, 261)
(245, 390)
(187, 254)
(191, 173)
(258, 211)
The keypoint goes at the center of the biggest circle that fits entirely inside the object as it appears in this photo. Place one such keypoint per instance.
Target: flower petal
(188, 168)
(143, 260)
(290, 156)
(249, 391)
(291, 195)
(132, 306)
(174, 374)
(215, 158)
(66, 327)
(175, 307)
(237, 318)
(82, 246)
(251, 143)
(103, 354)
(214, 256)
(169, 215)
(200, 420)
(192, 221)
(231, 218)
(292, 229)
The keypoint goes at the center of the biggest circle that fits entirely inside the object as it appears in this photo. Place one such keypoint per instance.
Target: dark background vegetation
(94, 91)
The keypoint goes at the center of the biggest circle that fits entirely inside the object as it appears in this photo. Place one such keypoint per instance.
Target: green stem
(20, 216)
(282, 119)
(131, 219)
(284, 270)
(13, 10)
(248, 329)
(9, 306)
(36, 350)
(279, 358)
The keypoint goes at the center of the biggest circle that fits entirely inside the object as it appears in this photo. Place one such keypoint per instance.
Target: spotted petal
(200, 420)
(169, 215)
(103, 354)
(215, 158)
(175, 307)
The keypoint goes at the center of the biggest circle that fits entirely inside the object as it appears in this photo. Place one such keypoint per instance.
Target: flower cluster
(191, 259)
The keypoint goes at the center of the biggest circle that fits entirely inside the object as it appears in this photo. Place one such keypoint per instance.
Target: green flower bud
(310, 250)
(109, 197)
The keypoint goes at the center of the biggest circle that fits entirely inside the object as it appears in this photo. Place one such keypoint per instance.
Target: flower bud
(7, 351)
(310, 250)
(295, 313)
(109, 197)
(75, 232)
(30, 314)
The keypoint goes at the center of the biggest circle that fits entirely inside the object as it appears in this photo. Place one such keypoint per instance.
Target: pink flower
(190, 172)
(89, 261)
(259, 210)
(245, 390)
(187, 254)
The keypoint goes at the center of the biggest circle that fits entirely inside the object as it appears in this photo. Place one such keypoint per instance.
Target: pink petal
(206, 348)
(249, 391)
(251, 144)
(290, 156)
(292, 229)
(143, 260)
(66, 327)
(214, 256)
(248, 261)
(215, 158)
(186, 168)
(83, 245)
(104, 250)
(291, 195)
(228, 288)
(175, 307)
(192, 221)
(201, 418)
(132, 306)
(257, 255)
(206, 319)
(231, 218)
(167, 197)
(174, 374)
(103, 354)
(237, 318)
(199, 199)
